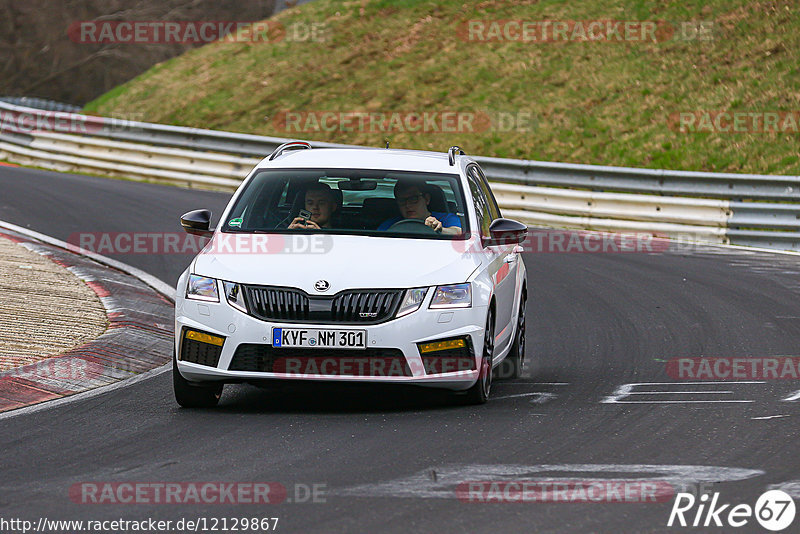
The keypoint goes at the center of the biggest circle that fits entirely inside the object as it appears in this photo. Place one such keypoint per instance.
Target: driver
(413, 204)
(321, 201)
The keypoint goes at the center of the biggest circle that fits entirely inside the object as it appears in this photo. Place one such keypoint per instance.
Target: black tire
(192, 396)
(479, 393)
(516, 357)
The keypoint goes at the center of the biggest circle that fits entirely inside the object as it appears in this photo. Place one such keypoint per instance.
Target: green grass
(600, 103)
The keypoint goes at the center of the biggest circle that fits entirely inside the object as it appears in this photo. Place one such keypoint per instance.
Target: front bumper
(398, 336)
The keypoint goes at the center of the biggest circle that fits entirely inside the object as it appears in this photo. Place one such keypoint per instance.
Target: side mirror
(197, 223)
(505, 232)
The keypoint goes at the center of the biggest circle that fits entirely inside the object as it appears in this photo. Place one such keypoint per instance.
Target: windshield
(351, 201)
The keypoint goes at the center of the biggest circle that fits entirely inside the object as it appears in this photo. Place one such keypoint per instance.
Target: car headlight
(453, 296)
(412, 300)
(235, 296)
(202, 288)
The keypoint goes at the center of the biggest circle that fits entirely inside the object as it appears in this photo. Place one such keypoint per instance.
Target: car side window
(481, 204)
(494, 209)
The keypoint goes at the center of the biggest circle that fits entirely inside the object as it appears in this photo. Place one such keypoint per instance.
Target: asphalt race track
(391, 459)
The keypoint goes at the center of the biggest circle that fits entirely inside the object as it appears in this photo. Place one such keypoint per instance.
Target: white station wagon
(353, 265)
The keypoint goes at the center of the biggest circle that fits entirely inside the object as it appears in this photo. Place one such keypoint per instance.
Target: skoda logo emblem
(321, 285)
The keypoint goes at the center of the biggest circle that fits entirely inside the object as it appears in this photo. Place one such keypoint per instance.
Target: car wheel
(192, 396)
(516, 358)
(479, 393)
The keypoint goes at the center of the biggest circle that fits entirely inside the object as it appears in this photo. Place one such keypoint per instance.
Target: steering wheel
(412, 226)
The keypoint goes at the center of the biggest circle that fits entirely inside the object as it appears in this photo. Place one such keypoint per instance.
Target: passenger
(322, 202)
(413, 204)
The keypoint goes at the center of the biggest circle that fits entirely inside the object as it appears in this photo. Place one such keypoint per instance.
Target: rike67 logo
(774, 510)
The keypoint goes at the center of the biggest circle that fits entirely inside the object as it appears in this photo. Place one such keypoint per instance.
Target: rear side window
(482, 210)
(491, 203)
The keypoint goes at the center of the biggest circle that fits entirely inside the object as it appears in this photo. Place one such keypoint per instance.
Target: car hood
(345, 262)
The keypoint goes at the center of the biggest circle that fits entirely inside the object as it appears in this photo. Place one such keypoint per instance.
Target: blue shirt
(448, 220)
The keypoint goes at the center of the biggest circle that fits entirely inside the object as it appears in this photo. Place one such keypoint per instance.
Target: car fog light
(205, 338)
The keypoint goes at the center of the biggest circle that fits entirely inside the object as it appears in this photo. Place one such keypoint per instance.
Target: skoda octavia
(353, 265)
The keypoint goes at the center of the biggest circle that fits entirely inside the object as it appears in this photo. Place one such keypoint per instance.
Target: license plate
(310, 338)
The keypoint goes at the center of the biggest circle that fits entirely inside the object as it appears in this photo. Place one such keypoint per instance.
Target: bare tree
(39, 58)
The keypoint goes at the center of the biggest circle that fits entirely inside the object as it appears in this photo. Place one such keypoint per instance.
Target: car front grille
(329, 362)
(365, 306)
(362, 306)
(278, 304)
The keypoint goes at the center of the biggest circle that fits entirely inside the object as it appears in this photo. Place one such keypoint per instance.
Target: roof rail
(452, 152)
(290, 145)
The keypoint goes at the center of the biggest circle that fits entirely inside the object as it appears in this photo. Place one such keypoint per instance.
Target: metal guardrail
(756, 210)
(40, 103)
(649, 181)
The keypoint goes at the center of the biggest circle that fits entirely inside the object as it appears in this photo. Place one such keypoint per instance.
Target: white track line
(515, 396)
(793, 397)
(46, 405)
